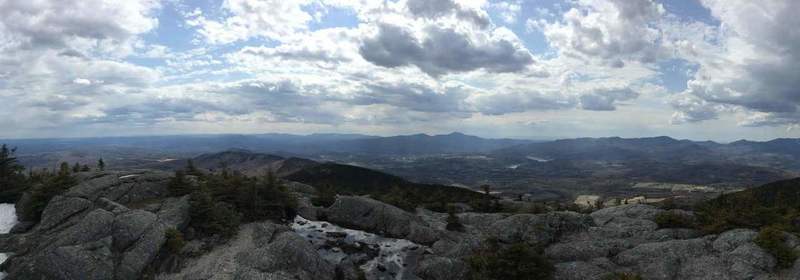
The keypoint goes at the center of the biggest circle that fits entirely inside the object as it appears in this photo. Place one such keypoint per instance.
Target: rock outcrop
(381, 218)
(87, 232)
(113, 226)
(259, 251)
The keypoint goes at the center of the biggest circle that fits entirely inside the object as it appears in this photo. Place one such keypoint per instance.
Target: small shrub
(518, 261)
(453, 223)
(672, 219)
(175, 241)
(179, 185)
(773, 240)
(325, 197)
(210, 217)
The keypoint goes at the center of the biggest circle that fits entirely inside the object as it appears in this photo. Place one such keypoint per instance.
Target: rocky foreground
(113, 225)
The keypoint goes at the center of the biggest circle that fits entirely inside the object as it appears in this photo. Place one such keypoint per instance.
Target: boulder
(288, 252)
(732, 239)
(259, 251)
(129, 226)
(539, 230)
(86, 233)
(441, 268)
(174, 212)
(584, 250)
(579, 270)
(374, 216)
(123, 187)
(92, 260)
(633, 211)
(663, 260)
(60, 209)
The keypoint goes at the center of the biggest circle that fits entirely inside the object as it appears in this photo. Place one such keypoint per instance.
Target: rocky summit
(114, 225)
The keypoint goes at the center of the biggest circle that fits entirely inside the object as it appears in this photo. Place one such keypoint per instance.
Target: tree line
(35, 188)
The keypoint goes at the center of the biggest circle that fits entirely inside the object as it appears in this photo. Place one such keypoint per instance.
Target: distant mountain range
(244, 161)
(283, 144)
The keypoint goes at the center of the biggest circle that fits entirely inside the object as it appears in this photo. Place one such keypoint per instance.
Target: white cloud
(80, 81)
(756, 65)
(613, 31)
(245, 19)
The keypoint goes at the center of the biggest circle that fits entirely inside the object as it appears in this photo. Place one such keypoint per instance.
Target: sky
(696, 69)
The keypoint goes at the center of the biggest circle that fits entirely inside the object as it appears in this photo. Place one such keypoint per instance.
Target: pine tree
(76, 168)
(178, 185)
(9, 168)
(63, 170)
(101, 164)
(12, 180)
(191, 169)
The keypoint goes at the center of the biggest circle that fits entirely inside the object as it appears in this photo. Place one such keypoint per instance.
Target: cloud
(82, 25)
(605, 99)
(691, 109)
(245, 19)
(610, 30)
(434, 9)
(757, 64)
(80, 81)
(442, 50)
(515, 101)
(508, 10)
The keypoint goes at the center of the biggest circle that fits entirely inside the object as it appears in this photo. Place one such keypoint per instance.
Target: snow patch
(8, 218)
(390, 259)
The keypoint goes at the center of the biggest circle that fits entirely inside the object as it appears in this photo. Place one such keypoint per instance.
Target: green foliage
(399, 197)
(326, 196)
(353, 180)
(210, 217)
(453, 223)
(191, 169)
(517, 261)
(12, 181)
(47, 187)
(776, 203)
(63, 169)
(179, 185)
(101, 164)
(773, 240)
(221, 201)
(622, 276)
(266, 199)
(76, 168)
(672, 219)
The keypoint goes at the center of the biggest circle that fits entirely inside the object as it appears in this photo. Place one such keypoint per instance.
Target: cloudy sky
(697, 69)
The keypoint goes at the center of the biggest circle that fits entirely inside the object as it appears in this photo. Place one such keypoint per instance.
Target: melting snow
(8, 218)
(537, 159)
(388, 262)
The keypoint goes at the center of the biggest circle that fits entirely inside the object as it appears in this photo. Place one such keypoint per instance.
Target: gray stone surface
(374, 216)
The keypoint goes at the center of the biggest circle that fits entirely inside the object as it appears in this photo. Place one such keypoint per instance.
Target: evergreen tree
(12, 179)
(63, 170)
(9, 167)
(453, 223)
(101, 164)
(326, 196)
(191, 169)
(76, 168)
(211, 217)
(178, 185)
